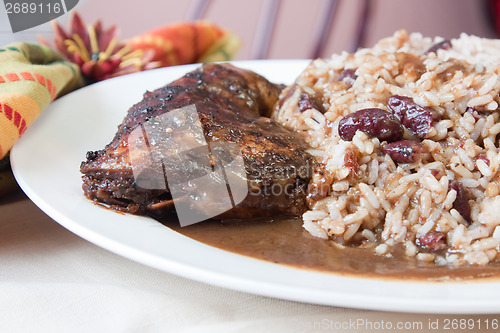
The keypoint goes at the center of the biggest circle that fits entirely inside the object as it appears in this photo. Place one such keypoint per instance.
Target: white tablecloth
(53, 281)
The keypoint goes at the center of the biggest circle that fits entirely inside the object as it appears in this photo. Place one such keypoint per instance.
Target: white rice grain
(369, 195)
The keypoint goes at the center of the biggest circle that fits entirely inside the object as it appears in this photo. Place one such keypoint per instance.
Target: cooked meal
(407, 136)
(391, 149)
(233, 106)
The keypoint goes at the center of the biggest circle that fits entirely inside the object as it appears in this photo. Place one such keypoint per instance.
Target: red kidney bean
(348, 76)
(307, 102)
(405, 151)
(444, 45)
(416, 118)
(374, 122)
(482, 156)
(432, 241)
(434, 172)
(461, 203)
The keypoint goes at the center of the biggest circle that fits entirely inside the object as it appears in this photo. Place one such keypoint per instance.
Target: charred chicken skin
(233, 106)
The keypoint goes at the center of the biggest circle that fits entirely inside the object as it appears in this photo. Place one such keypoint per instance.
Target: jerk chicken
(233, 106)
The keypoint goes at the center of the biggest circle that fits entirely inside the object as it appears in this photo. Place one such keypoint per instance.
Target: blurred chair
(318, 28)
(284, 29)
(270, 12)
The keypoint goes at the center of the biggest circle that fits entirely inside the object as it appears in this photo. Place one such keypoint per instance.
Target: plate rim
(220, 278)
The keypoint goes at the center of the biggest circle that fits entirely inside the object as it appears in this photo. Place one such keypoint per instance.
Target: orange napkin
(185, 43)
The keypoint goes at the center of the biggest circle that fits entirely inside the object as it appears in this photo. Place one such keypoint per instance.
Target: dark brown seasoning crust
(233, 105)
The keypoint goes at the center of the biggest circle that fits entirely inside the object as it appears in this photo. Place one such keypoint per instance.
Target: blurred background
(284, 29)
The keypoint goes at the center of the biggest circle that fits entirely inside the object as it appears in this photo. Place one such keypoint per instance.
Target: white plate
(46, 164)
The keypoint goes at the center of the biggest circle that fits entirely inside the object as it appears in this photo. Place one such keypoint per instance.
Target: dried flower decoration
(98, 51)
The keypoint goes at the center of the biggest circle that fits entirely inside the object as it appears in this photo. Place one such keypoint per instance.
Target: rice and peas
(407, 136)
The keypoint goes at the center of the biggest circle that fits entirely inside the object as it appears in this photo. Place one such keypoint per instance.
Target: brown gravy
(286, 242)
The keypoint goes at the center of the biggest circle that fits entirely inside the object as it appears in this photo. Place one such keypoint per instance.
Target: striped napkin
(31, 76)
(186, 43)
